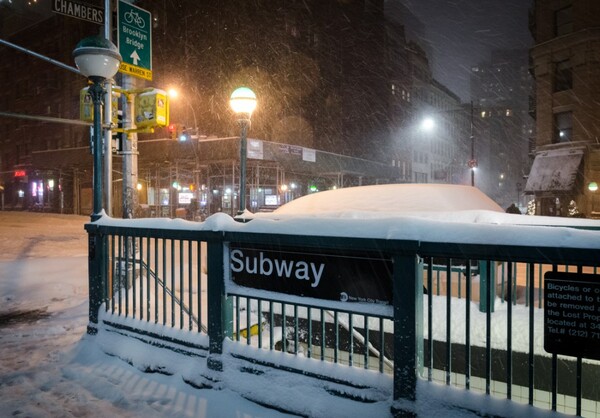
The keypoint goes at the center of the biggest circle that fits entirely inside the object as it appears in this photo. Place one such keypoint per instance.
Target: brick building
(566, 66)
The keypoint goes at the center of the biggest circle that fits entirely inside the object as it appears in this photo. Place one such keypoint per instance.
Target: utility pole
(130, 150)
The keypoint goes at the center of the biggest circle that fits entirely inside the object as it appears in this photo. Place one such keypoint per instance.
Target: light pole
(593, 187)
(98, 59)
(243, 103)
(429, 123)
(472, 161)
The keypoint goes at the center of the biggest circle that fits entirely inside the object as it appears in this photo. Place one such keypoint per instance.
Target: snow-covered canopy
(441, 202)
(393, 198)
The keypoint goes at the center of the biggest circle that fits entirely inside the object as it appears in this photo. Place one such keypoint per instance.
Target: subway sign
(360, 277)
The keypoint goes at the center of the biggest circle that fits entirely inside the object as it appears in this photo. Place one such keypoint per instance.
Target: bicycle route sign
(134, 31)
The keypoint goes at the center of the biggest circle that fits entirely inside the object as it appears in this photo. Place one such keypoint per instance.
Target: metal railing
(449, 320)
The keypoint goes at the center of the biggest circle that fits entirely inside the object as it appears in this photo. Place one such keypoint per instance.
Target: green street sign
(134, 31)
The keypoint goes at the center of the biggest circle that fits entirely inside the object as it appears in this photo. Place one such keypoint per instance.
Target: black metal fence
(463, 314)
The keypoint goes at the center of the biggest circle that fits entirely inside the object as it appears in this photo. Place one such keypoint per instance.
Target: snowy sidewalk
(50, 367)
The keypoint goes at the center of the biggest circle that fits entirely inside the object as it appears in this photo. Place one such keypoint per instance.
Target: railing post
(487, 285)
(407, 300)
(216, 302)
(96, 261)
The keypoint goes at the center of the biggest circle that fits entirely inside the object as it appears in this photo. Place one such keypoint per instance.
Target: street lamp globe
(243, 101)
(593, 186)
(428, 124)
(97, 58)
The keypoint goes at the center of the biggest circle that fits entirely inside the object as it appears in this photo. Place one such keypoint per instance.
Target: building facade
(31, 86)
(566, 64)
(337, 77)
(500, 89)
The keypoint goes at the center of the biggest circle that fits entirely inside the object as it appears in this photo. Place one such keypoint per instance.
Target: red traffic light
(173, 130)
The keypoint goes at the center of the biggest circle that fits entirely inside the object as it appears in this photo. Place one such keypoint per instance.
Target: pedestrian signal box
(152, 109)
(86, 107)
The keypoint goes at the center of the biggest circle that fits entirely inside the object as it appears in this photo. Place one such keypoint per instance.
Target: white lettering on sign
(265, 266)
(78, 10)
(135, 33)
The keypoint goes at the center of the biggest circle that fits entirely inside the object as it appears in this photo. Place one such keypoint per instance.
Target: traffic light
(175, 130)
(172, 131)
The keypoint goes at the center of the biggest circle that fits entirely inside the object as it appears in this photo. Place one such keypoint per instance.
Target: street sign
(135, 40)
(79, 10)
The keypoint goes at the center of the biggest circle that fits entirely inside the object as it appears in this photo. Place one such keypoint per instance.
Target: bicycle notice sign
(135, 40)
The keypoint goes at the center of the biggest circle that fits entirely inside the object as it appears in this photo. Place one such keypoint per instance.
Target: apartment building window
(563, 76)
(563, 21)
(563, 127)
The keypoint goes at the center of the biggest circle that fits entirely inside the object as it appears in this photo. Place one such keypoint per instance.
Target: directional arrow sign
(135, 57)
(135, 40)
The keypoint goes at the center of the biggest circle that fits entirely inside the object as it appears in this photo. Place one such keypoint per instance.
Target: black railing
(478, 326)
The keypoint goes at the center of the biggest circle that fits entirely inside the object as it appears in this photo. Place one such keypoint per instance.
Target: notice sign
(572, 314)
(344, 277)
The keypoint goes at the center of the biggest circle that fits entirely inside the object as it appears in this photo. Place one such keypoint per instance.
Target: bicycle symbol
(134, 17)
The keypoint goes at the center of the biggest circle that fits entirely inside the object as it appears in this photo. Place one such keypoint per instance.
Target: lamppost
(98, 59)
(593, 187)
(429, 123)
(472, 161)
(243, 103)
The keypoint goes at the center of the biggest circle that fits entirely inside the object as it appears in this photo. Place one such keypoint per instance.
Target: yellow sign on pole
(86, 107)
(131, 69)
(152, 109)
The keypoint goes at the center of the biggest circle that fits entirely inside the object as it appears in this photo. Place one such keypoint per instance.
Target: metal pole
(45, 119)
(243, 155)
(130, 166)
(40, 56)
(96, 92)
(108, 119)
(472, 149)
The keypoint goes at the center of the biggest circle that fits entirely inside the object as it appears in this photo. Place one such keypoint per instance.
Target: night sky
(462, 33)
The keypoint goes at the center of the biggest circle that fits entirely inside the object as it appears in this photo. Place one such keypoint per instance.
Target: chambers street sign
(364, 277)
(134, 30)
(79, 10)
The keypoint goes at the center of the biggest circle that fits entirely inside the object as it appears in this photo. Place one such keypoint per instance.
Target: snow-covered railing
(196, 279)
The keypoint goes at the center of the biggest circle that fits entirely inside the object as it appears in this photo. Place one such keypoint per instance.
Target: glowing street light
(98, 59)
(243, 103)
(428, 124)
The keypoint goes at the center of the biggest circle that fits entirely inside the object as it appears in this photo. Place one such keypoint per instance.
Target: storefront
(559, 179)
